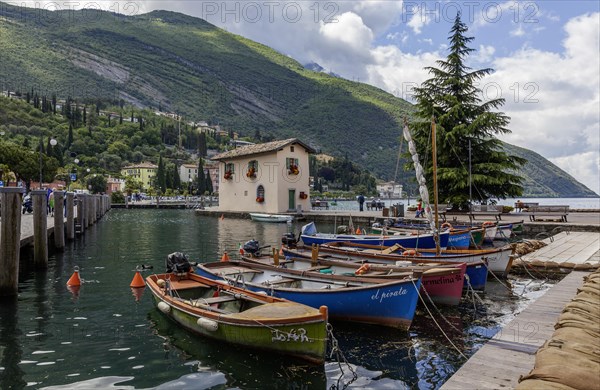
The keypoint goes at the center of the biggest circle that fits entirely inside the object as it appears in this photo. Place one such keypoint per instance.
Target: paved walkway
(27, 228)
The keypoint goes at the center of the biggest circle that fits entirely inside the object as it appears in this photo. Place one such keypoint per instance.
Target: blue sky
(545, 55)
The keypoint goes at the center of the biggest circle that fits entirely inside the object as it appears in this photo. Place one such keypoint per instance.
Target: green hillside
(186, 65)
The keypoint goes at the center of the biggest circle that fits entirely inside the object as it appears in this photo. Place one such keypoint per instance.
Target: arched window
(260, 194)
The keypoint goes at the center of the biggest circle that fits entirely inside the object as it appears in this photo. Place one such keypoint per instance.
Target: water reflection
(11, 374)
(241, 367)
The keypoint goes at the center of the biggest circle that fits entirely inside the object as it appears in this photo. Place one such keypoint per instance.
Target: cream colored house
(268, 178)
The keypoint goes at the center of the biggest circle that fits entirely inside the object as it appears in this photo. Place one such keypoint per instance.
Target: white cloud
(518, 32)
(554, 100)
(421, 18)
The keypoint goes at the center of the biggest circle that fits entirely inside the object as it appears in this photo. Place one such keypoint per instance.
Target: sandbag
(536, 384)
(567, 375)
(577, 336)
(556, 348)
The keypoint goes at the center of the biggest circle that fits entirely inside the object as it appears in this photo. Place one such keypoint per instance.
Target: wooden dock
(568, 247)
(511, 352)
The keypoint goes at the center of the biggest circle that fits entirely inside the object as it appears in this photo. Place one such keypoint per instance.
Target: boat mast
(470, 178)
(435, 190)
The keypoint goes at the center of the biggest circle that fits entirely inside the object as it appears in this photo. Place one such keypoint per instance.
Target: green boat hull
(305, 340)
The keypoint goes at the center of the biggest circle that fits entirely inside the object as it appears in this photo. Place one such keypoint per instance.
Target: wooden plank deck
(574, 247)
(511, 352)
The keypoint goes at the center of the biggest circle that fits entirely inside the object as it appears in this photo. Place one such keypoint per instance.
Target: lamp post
(190, 186)
(53, 142)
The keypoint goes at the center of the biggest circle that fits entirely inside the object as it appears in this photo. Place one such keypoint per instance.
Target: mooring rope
(436, 323)
(340, 358)
(439, 312)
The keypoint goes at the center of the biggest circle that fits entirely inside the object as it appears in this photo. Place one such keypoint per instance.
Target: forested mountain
(184, 64)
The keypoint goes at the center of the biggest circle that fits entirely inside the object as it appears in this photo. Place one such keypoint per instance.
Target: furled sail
(420, 175)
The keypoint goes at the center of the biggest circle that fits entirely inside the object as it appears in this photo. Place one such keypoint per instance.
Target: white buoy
(162, 306)
(207, 324)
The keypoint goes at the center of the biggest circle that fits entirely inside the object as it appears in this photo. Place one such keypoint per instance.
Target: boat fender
(207, 324)
(262, 292)
(363, 269)
(447, 225)
(488, 223)
(164, 307)
(160, 283)
(410, 252)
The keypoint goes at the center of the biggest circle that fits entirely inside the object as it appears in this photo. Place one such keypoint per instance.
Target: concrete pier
(40, 228)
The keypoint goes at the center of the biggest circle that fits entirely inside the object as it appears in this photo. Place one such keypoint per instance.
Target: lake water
(574, 203)
(101, 337)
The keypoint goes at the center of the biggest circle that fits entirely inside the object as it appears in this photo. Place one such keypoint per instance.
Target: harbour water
(100, 336)
(573, 203)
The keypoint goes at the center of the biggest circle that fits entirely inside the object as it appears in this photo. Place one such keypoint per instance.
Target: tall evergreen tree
(202, 148)
(70, 136)
(201, 181)
(452, 98)
(176, 178)
(85, 115)
(209, 185)
(54, 103)
(161, 177)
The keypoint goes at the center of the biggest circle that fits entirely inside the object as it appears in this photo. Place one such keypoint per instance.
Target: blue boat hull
(390, 304)
(459, 240)
(413, 242)
(477, 274)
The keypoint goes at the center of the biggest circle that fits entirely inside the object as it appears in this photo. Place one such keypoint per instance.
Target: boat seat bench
(280, 281)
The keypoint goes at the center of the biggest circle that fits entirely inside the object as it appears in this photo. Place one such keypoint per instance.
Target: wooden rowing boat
(367, 300)
(242, 317)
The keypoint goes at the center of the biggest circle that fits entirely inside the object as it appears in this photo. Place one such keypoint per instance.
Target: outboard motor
(252, 248)
(289, 240)
(178, 263)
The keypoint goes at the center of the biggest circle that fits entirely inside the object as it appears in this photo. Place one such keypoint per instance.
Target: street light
(53, 142)
(190, 187)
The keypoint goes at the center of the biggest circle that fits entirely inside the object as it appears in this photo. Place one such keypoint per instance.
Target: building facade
(390, 190)
(269, 178)
(144, 172)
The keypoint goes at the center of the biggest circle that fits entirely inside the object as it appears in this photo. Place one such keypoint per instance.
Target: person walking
(361, 202)
(51, 203)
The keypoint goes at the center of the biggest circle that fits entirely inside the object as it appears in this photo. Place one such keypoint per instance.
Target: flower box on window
(251, 173)
(260, 200)
(303, 195)
(293, 170)
(228, 175)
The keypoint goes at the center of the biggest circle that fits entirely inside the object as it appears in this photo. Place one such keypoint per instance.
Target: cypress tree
(121, 118)
(452, 98)
(54, 103)
(176, 178)
(201, 178)
(161, 179)
(84, 115)
(209, 185)
(70, 136)
(202, 148)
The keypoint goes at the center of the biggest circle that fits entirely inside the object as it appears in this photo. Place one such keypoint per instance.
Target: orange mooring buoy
(241, 250)
(137, 280)
(225, 257)
(74, 280)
